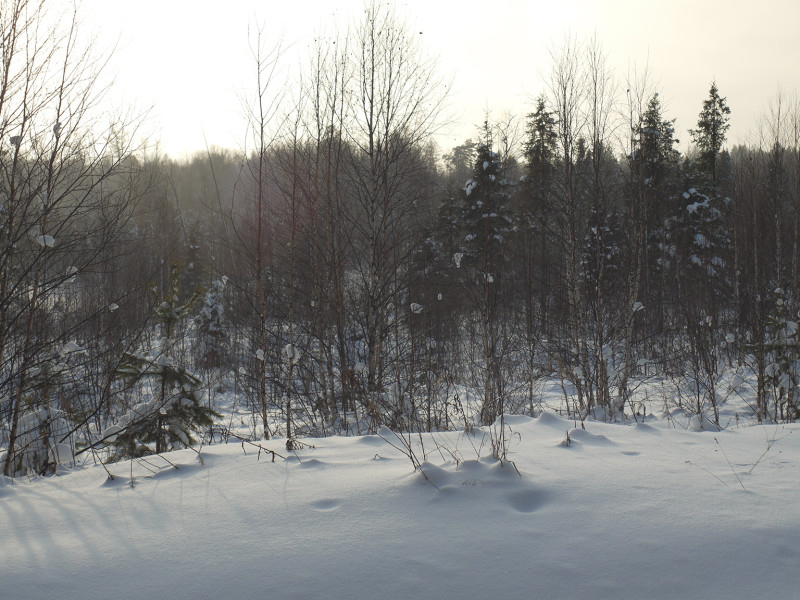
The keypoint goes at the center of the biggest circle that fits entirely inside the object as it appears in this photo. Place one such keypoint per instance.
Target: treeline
(343, 274)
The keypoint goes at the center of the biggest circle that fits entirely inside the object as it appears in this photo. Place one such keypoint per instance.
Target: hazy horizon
(190, 63)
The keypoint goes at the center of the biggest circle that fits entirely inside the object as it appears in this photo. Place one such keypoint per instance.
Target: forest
(342, 273)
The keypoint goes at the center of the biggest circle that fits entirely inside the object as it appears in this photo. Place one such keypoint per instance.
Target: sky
(189, 63)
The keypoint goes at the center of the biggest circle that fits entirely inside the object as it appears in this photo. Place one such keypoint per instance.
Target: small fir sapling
(212, 339)
(172, 412)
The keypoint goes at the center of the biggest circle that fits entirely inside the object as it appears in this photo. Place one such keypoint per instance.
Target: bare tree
(251, 221)
(396, 99)
(61, 216)
(567, 95)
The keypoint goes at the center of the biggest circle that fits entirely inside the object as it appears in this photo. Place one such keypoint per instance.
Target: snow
(72, 347)
(624, 511)
(291, 354)
(46, 241)
(695, 206)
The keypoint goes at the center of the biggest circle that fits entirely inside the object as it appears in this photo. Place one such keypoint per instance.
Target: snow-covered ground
(624, 511)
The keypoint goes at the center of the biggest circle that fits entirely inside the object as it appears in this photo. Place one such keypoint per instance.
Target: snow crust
(640, 510)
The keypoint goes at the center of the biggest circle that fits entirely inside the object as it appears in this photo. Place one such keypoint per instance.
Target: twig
(408, 451)
(770, 443)
(259, 446)
(199, 456)
(729, 464)
(688, 462)
(97, 459)
(162, 457)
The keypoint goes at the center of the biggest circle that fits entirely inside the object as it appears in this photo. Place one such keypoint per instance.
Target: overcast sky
(190, 60)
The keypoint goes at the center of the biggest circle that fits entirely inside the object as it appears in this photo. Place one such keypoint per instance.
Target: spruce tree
(212, 338)
(540, 152)
(712, 126)
(486, 221)
(172, 411)
(535, 244)
(655, 155)
(654, 169)
(487, 227)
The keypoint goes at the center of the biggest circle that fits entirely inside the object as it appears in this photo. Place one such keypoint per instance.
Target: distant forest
(344, 273)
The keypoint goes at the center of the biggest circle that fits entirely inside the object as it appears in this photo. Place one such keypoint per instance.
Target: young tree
(63, 211)
(395, 99)
(250, 231)
(487, 226)
(173, 411)
(212, 340)
(569, 216)
(652, 163)
(534, 200)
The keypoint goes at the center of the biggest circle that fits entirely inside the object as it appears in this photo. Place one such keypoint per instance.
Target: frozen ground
(624, 511)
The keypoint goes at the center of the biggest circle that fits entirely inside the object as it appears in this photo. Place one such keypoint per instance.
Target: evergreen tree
(712, 126)
(540, 147)
(655, 155)
(534, 252)
(212, 339)
(458, 163)
(702, 231)
(172, 410)
(654, 164)
(488, 226)
(486, 221)
(44, 440)
(540, 165)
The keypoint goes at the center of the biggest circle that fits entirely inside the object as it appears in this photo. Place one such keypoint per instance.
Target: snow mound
(584, 436)
(645, 428)
(551, 420)
(496, 482)
(517, 420)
